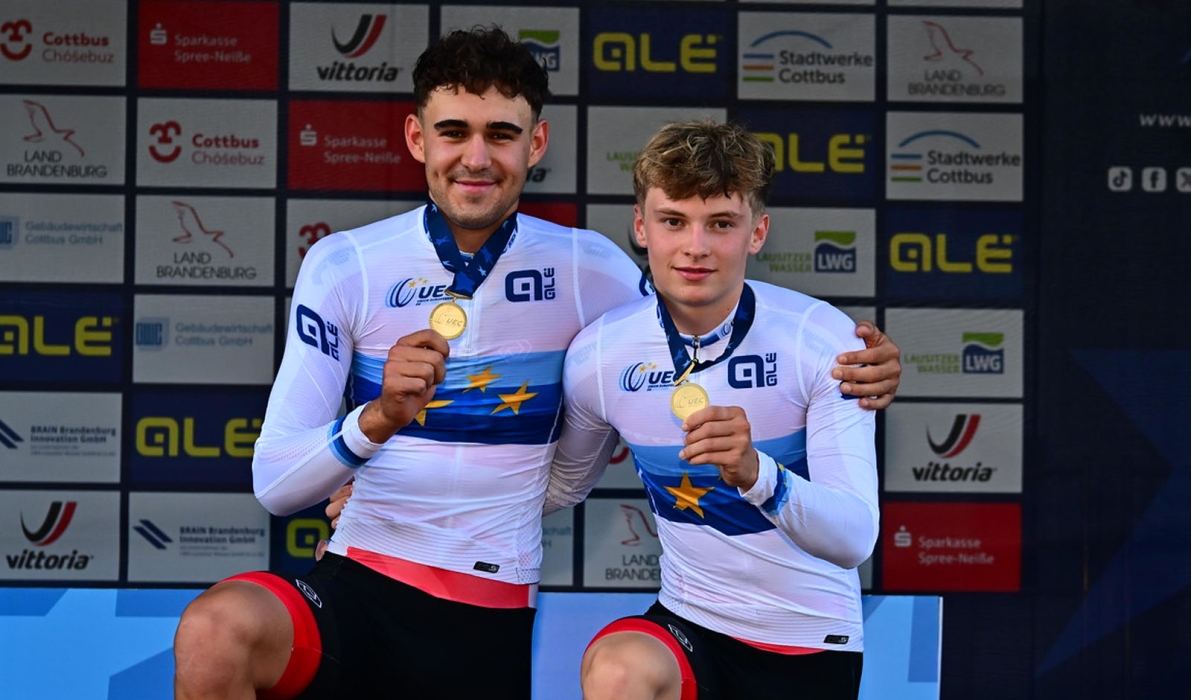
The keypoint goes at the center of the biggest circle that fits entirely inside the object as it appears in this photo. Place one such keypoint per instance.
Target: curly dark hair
(686, 159)
(477, 59)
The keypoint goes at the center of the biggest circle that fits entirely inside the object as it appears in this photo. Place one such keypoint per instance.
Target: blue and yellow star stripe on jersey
(498, 399)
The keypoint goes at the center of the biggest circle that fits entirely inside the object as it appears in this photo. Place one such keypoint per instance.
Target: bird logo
(44, 131)
(944, 48)
(634, 515)
(192, 227)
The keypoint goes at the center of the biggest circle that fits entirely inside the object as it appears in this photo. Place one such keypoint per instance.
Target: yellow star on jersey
(687, 496)
(421, 415)
(514, 401)
(482, 380)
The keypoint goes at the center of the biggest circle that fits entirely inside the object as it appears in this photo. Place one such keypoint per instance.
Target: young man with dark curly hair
(445, 328)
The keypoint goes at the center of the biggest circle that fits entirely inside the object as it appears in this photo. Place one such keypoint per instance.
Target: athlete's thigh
(385, 639)
(752, 674)
(457, 651)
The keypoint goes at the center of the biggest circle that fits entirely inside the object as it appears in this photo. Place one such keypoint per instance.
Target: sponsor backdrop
(1001, 184)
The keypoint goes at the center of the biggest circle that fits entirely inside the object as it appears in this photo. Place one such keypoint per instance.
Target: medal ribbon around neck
(469, 275)
(684, 364)
(449, 319)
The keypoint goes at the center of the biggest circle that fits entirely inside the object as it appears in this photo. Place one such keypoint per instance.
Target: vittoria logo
(964, 427)
(368, 29)
(57, 519)
(53, 526)
(16, 45)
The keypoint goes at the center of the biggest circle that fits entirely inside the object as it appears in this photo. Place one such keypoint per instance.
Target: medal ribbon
(684, 364)
(469, 275)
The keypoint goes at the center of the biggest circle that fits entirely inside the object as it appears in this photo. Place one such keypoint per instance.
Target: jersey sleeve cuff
(767, 477)
(349, 443)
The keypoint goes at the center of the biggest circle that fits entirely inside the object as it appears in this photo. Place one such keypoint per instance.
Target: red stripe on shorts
(308, 646)
(637, 624)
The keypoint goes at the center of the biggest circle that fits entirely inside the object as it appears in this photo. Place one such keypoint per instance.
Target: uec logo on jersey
(413, 289)
(750, 371)
(317, 333)
(530, 285)
(645, 375)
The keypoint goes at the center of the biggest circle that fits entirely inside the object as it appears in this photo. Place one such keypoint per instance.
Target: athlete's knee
(630, 665)
(235, 633)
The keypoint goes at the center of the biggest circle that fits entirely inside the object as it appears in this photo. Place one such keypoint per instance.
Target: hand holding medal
(414, 367)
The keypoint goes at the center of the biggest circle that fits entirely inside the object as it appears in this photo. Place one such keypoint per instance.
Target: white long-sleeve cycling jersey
(461, 488)
(776, 564)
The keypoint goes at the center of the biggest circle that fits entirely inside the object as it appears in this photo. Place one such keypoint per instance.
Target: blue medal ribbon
(684, 364)
(469, 275)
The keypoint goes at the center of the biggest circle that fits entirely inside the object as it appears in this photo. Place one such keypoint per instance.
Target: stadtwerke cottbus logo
(15, 42)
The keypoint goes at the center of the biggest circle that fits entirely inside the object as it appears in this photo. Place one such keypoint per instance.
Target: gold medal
(449, 320)
(687, 398)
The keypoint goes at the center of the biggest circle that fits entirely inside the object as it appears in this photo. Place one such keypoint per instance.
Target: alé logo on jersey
(361, 40)
(983, 353)
(530, 285)
(753, 371)
(317, 333)
(55, 523)
(960, 436)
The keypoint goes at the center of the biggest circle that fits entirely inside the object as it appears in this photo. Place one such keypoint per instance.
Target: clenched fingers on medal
(720, 436)
(416, 363)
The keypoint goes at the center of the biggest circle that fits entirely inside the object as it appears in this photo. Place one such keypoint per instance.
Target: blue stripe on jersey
(722, 507)
(496, 400)
(340, 448)
(538, 368)
(782, 490)
(663, 460)
(710, 503)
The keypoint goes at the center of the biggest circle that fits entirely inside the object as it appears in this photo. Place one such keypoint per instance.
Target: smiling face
(698, 249)
(477, 150)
